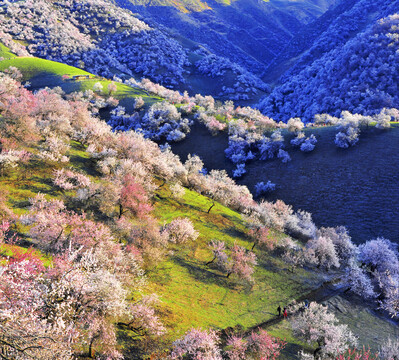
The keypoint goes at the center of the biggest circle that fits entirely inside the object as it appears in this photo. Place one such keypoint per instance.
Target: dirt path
(326, 291)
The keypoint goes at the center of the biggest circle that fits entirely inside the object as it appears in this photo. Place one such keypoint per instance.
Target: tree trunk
(228, 274)
(91, 354)
(120, 211)
(210, 262)
(253, 246)
(209, 210)
(164, 182)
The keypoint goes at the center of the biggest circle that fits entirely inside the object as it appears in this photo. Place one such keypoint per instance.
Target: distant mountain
(248, 32)
(352, 65)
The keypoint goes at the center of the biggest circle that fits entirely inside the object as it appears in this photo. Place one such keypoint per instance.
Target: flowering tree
(142, 318)
(359, 282)
(389, 350)
(355, 354)
(133, 198)
(315, 324)
(138, 103)
(98, 87)
(240, 262)
(295, 125)
(23, 330)
(180, 231)
(262, 237)
(344, 247)
(390, 288)
(112, 88)
(219, 255)
(379, 254)
(322, 252)
(69, 180)
(259, 345)
(56, 229)
(196, 344)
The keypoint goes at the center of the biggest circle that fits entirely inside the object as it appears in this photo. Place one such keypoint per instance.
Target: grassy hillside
(201, 295)
(41, 73)
(192, 293)
(5, 52)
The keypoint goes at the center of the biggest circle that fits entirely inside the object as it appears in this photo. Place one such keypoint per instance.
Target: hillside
(250, 33)
(122, 234)
(106, 40)
(351, 66)
(337, 186)
(43, 182)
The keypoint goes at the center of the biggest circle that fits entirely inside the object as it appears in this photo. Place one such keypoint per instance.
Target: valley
(199, 180)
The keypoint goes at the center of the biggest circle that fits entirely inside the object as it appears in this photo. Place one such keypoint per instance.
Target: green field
(5, 52)
(41, 73)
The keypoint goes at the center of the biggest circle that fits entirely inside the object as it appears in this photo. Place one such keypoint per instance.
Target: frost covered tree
(308, 144)
(359, 282)
(262, 188)
(341, 239)
(284, 156)
(379, 255)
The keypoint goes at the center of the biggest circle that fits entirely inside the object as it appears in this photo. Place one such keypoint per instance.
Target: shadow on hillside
(19, 204)
(85, 164)
(36, 188)
(290, 351)
(233, 232)
(204, 275)
(195, 208)
(233, 218)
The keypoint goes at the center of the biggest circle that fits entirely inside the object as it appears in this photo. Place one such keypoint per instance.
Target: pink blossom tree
(133, 199)
(112, 88)
(259, 345)
(242, 263)
(239, 262)
(357, 354)
(197, 344)
(180, 231)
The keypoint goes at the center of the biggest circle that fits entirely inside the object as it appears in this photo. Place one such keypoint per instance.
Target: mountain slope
(351, 67)
(104, 39)
(248, 32)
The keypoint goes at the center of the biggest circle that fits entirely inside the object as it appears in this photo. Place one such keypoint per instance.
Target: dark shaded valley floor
(356, 187)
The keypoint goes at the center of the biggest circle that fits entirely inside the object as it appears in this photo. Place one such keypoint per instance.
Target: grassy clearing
(32, 66)
(5, 52)
(197, 295)
(41, 73)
